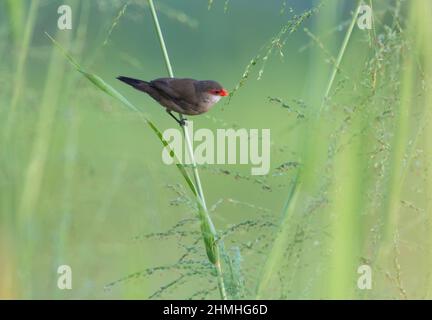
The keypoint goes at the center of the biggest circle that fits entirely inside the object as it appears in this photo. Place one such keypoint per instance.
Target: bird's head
(212, 88)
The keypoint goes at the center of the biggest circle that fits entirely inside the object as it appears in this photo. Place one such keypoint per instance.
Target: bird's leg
(181, 122)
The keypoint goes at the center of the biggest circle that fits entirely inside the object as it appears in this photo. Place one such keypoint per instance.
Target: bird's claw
(182, 121)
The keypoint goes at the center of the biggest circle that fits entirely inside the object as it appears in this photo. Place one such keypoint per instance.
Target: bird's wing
(175, 88)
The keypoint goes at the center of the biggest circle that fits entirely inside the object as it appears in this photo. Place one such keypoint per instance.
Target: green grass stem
(19, 74)
(277, 250)
(339, 58)
(207, 227)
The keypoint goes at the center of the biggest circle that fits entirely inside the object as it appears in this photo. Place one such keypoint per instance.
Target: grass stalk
(106, 88)
(35, 170)
(19, 74)
(423, 10)
(346, 217)
(340, 57)
(15, 11)
(22, 39)
(400, 145)
(207, 227)
(428, 106)
(71, 147)
(280, 243)
(423, 49)
(161, 39)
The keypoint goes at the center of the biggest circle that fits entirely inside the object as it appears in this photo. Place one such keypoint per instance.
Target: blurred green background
(81, 177)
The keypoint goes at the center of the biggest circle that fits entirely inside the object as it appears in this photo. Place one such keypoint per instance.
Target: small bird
(185, 96)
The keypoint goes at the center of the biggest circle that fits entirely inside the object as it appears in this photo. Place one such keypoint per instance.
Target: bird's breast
(210, 100)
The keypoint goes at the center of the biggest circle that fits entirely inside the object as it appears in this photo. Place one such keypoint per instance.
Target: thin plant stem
(36, 167)
(278, 248)
(207, 227)
(161, 39)
(19, 74)
(340, 57)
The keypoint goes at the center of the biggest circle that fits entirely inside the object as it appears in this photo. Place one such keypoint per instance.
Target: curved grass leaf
(105, 87)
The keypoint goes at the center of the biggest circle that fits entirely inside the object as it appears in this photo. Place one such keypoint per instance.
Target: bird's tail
(137, 84)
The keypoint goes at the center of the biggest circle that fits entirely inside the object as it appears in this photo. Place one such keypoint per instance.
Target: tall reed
(400, 144)
(423, 19)
(21, 31)
(345, 191)
(16, 13)
(274, 259)
(340, 56)
(71, 147)
(35, 170)
(207, 227)
(19, 74)
(415, 93)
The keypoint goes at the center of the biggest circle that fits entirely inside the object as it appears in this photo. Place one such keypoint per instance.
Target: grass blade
(277, 250)
(340, 56)
(106, 88)
(208, 229)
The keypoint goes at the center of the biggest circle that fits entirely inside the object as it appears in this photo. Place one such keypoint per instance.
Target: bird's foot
(182, 121)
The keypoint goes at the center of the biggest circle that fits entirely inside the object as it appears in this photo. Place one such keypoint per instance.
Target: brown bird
(185, 96)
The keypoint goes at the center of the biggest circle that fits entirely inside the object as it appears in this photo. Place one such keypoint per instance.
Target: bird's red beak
(223, 93)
